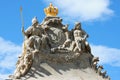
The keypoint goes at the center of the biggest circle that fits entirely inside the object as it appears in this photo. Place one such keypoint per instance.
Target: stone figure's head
(77, 26)
(34, 21)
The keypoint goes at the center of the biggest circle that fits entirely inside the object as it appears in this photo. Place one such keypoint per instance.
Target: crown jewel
(51, 10)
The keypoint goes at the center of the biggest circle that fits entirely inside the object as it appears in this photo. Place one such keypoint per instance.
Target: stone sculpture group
(51, 41)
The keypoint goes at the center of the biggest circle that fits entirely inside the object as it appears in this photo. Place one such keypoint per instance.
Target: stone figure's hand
(84, 39)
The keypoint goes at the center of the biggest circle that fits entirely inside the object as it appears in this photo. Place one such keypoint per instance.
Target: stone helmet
(77, 25)
(34, 20)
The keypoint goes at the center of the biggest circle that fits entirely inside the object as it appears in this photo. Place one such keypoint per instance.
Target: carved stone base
(59, 67)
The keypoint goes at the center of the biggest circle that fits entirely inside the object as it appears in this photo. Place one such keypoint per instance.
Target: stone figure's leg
(37, 43)
(66, 43)
(75, 49)
(87, 46)
(45, 42)
(30, 43)
(72, 46)
(79, 46)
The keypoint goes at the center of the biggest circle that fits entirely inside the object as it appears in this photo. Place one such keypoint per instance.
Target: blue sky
(100, 19)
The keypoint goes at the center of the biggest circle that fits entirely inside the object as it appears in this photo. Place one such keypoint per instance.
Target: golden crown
(51, 10)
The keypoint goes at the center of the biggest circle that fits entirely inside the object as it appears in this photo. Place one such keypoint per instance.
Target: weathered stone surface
(61, 72)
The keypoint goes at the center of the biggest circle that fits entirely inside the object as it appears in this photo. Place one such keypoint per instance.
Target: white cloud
(83, 10)
(107, 55)
(8, 56)
(4, 76)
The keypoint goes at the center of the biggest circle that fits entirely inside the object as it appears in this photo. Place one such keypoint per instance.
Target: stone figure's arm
(23, 31)
(27, 32)
(85, 35)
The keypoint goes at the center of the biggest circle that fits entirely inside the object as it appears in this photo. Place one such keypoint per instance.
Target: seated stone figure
(80, 38)
(31, 45)
(33, 36)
